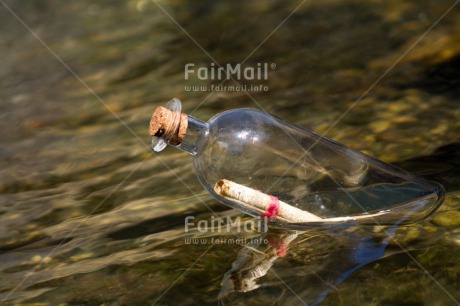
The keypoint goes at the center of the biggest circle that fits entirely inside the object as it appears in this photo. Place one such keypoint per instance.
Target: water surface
(90, 216)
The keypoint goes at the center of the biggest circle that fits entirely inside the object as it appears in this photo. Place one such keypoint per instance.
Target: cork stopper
(168, 125)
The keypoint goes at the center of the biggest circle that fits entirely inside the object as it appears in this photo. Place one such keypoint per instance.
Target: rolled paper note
(271, 206)
(268, 205)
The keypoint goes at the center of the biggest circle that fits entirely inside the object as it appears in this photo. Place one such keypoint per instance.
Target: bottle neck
(196, 131)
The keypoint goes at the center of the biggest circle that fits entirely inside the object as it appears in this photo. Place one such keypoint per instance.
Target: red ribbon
(273, 208)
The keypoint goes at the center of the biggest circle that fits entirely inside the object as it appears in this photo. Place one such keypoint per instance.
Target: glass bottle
(263, 165)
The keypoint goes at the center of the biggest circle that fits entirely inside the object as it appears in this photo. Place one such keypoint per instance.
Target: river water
(90, 216)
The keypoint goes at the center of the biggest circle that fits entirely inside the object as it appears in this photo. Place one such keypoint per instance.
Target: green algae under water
(89, 216)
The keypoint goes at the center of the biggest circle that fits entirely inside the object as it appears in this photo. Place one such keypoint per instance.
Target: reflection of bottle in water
(287, 168)
(254, 261)
(319, 261)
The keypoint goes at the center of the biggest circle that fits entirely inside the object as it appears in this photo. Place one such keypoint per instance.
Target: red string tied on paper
(273, 209)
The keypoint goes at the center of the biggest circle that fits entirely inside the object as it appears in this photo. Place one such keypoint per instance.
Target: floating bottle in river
(263, 165)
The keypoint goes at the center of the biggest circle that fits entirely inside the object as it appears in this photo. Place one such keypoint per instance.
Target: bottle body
(307, 171)
(263, 165)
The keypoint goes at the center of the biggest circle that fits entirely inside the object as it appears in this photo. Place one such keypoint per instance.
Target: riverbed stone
(447, 219)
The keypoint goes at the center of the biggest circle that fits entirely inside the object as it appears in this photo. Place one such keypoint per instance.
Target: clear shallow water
(88, 215)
